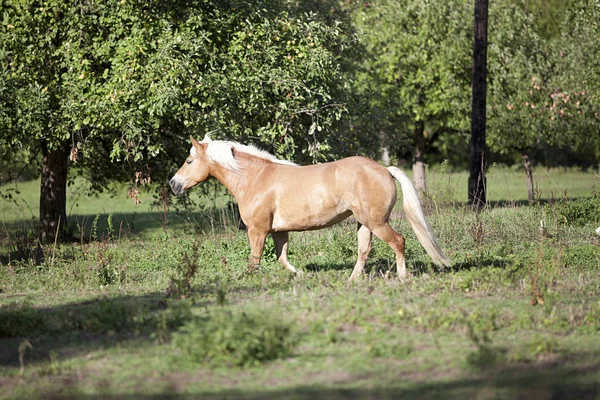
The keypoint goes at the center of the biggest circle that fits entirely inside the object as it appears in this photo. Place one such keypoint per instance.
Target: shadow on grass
(83, 326)
(18, 239)
(543, 381)
(88, 228)
(314, 267)
(419, 268)
(508, 203)
(383, 266)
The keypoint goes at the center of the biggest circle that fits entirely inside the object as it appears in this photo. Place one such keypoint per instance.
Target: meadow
(136, 307)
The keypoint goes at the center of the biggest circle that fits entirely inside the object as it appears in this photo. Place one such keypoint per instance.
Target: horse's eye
(188, 161)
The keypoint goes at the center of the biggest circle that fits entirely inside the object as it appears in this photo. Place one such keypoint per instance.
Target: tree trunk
(419, 158)
(529, 174)
(384, 147)
(53, 193)
(477, 182)
(385, 155)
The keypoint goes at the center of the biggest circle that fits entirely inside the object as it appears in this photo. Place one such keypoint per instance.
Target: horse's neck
(237, 182)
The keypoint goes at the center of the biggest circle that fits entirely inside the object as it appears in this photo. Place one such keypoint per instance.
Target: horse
(277, 197)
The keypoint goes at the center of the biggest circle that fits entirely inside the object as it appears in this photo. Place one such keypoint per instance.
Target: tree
(417, 73)
(477, 184)
(576, 90)
(537, 98)
(86, 83)
(517, 67)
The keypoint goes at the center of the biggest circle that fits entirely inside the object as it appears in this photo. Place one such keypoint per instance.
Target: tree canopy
(114, 88)
(126, 81)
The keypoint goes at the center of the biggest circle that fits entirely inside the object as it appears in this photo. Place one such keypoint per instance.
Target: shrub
(20, 320)
(235, 338)
(579, 212)
(538, 346)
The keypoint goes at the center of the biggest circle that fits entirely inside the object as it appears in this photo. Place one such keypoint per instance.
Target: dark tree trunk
(477, 182)
(53, 193)
(419, 177)
(529, 174)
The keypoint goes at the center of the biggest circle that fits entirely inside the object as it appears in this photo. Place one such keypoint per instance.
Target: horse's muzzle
(176, 186)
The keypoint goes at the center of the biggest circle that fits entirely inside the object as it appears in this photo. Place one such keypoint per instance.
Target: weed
(484, 357)
(536, 287)
(181, 282)
(220, 293)
(108, 271)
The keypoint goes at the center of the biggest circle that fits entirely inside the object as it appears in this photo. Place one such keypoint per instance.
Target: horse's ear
(196, 144)
(206, 139)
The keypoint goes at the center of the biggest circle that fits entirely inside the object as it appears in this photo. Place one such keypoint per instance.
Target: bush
(579, 212)
(538, 346)
(234, 338)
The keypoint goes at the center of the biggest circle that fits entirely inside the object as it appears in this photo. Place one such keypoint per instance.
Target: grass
(175, 314)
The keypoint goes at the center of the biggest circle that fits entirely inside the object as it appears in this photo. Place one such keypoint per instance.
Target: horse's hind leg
(396, 242)
(280, 239)
(364, 248)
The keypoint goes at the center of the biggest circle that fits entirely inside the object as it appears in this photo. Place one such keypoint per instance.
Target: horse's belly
(310, 202)
(303, 222)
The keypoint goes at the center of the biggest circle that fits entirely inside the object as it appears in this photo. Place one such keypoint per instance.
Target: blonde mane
(222, 152)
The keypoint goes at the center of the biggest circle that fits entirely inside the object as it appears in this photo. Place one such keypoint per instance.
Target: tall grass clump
(226, 338)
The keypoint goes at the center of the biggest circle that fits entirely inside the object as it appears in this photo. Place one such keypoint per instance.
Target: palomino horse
(276, 197)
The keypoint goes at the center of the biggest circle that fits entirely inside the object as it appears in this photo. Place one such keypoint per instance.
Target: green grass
(88, 212)
(178, 315)
(507, 185)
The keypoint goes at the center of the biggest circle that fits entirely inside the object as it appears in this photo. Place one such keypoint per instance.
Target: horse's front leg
(257, 244)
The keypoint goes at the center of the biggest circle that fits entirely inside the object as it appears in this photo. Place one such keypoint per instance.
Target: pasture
(142, 309)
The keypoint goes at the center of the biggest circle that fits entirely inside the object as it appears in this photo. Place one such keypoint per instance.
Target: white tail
(414, 214)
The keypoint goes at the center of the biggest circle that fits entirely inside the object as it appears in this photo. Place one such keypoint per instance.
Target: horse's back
(314, 196)
(365, 174)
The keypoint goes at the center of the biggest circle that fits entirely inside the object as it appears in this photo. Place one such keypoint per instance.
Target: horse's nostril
(176, 186)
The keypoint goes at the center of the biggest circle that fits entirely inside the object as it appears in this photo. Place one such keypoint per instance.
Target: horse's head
(194, 170)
